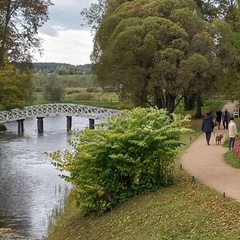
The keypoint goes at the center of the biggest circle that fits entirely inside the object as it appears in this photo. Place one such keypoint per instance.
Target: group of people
(227, 121)
(225, 117)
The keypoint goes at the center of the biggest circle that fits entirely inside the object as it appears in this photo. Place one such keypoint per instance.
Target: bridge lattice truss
(58, 109)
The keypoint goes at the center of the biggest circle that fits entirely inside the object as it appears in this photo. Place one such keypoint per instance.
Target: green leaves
(123, 157)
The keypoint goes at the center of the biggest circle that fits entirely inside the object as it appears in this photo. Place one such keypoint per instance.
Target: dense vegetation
(122, 158)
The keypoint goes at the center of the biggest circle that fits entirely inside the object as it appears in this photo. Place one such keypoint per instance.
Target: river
(30, 187)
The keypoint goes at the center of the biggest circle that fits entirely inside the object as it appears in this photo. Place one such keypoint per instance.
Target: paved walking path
(206, 163)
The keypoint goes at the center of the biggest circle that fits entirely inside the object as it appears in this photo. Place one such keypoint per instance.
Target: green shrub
(125, 156)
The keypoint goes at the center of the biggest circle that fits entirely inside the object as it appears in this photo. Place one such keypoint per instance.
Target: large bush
(125, 156)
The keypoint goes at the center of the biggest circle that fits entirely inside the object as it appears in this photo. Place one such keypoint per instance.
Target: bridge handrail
(58, 109)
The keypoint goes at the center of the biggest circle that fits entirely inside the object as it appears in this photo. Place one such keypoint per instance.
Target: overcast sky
(64, 39)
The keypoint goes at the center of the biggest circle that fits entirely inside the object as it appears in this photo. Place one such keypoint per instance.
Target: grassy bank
(230, 157)
(186, 210)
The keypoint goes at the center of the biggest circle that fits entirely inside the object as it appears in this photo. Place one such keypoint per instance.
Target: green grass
(231, 159)
(186, 210)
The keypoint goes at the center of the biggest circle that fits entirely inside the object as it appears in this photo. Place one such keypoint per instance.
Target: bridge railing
(58, 109)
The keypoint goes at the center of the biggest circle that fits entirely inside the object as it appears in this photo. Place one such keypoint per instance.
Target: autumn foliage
(15, 84)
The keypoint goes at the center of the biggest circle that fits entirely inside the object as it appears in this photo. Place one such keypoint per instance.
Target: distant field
(81, 94)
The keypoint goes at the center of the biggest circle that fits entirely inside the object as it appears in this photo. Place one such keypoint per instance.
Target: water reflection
(30, 187)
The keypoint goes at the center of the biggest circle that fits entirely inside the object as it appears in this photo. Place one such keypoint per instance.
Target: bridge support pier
(91, 123)
(69, 123)
(20, 126)
(40, 124)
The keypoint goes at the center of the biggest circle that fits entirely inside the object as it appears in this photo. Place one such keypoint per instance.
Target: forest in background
(62, 68)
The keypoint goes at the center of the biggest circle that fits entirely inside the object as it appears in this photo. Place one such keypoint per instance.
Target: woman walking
(232, 132)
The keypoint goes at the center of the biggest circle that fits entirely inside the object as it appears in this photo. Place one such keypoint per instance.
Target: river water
(30, 187)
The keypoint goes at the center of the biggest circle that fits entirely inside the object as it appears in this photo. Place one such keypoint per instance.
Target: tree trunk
(198, 107)
(170, 102)
(158, 98)
(189, 101)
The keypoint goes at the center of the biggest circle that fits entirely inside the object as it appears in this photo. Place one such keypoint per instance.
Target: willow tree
(159, 49)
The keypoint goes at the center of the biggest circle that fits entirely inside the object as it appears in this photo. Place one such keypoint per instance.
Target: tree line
(62, 68)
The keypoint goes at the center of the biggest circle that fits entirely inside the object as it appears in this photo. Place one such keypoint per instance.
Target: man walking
(207, 127)
(232, 132)
(226, 119)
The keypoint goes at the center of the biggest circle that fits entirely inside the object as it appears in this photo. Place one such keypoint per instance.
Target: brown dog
(219, 139)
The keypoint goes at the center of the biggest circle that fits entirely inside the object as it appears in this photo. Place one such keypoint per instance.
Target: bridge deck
(58, 109)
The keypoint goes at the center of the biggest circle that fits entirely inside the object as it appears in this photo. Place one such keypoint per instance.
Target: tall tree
(159, 49)
(19, 24)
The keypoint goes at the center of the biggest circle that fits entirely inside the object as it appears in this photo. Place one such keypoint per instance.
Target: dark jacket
(218, 116)
(207, 124)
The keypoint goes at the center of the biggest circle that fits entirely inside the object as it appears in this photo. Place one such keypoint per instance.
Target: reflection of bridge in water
(68, 110)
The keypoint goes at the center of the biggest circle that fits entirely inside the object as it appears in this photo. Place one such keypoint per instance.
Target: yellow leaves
(15, 86)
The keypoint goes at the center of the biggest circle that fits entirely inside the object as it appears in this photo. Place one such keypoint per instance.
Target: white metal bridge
(57, 109)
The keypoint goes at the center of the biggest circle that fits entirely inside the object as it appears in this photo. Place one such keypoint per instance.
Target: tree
(159, 50)
(125, 156)
(219, 9)
(53, 89)
(93, 15)
(16, 86)
(19, 24)
(63, 70)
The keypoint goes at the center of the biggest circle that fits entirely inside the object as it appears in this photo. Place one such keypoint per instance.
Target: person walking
(232, 133)
(207, 127)
(226, 118)
(218, 117)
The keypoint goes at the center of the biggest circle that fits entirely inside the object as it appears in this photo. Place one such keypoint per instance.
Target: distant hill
(62, 68)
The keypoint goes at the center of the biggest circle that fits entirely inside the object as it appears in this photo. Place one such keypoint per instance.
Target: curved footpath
(206, 163)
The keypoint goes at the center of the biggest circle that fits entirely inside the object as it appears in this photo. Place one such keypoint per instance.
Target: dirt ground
(206, 163)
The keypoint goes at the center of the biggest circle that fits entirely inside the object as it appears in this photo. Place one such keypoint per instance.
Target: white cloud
(69, 46)
(64, 40)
